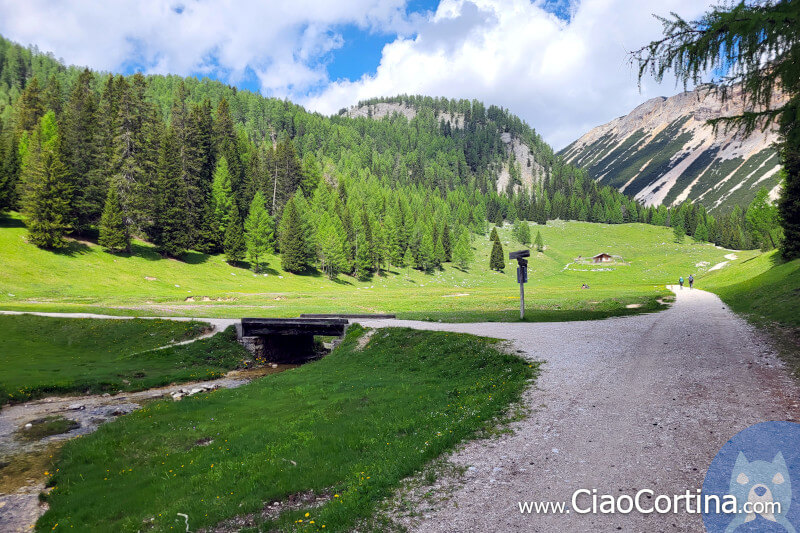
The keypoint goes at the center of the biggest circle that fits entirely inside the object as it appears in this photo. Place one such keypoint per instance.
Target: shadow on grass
(194, 258)
(72, 248)
(7, 221)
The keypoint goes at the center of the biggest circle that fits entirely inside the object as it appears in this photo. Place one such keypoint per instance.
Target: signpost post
(522, 277)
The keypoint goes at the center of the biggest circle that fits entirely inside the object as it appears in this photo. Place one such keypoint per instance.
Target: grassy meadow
(85, 278)
(347, 428)
(43, 355)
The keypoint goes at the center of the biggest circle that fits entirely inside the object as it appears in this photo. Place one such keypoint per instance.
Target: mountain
(664, 152)
(528, 157)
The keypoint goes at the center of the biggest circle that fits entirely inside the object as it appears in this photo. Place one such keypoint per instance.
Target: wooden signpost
(522, 276)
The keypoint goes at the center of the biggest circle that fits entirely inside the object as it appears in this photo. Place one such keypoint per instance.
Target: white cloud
(562, 77)
(282, 42)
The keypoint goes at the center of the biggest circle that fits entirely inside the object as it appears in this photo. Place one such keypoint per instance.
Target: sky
(561, 65)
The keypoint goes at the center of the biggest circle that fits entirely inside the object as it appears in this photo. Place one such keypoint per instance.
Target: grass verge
(766, 290)
(43, 355)
(345, 430)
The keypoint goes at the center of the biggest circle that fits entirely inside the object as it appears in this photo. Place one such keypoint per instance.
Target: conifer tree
(292, 240)
(426, 259)
(82, 152)
(363, 262)
(539, 241)
(497, 259)
(701, 233)
(234, 245)
(462, 253)
(46, 188)
(113, 230)
(447, 244)
(168, 229)
(221, 197)
(259, 231)
(330, 239)
(493, 236)
(408, 259)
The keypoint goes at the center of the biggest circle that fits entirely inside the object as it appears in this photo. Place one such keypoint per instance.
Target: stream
(24, 460)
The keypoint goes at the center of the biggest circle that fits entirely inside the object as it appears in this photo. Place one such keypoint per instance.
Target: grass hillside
(85, 278)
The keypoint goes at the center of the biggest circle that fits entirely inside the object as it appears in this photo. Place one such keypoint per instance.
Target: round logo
(753, 484)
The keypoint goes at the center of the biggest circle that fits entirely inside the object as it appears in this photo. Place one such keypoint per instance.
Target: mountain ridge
(665, 152)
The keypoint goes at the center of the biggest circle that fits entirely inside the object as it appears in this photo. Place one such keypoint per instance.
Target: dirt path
(622, 404)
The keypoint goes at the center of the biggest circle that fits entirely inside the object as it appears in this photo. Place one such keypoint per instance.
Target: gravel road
(621, 404)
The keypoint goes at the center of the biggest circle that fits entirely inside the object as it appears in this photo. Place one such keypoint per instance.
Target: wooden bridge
(287, 340)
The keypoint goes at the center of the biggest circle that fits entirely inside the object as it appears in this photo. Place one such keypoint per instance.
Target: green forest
(191, 164)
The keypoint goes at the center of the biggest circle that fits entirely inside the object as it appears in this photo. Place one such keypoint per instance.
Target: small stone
(77, 407)
(28, 425)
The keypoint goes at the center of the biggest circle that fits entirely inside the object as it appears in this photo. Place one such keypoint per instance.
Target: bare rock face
(664, 152)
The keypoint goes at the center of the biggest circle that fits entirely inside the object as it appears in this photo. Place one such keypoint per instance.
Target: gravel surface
(621, 404)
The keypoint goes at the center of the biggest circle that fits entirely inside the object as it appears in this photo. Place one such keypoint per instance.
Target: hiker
(691, 280)
(681, 282)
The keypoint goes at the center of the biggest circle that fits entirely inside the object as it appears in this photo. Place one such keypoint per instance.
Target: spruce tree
(168, 229)
(426, 259)
(259, 231)
(447, 244)
(292, 239)
(363, 264)
(113, 230)
(493, 236)
(221, 197)
(234, 245)
(539, 241)
(46, 188)
(462, 253)
(82, 152)
(497, 259)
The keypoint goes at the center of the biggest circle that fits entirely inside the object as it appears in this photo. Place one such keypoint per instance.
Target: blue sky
(562, 65)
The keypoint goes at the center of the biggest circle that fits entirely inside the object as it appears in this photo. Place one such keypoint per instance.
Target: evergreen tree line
(161, 158)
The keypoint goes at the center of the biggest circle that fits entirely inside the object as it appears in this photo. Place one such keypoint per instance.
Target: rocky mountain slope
(663, 152)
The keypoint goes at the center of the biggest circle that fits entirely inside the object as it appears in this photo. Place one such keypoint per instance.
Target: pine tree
(113, 230)
(221, 197)
(259, 231)
(82, 152)
(168, 229)
(46, 188)
(701, 233)
(462, 253)
(330, 239)
(408, 259)
(438, 253)
(539, 242)
(234, 245)
(497, 259)
(678, 232)
(292, 239)
(426, 259)
(363, 262)
(493, 236)
(447, 244)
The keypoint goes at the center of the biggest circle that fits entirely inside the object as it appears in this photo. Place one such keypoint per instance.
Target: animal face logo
(765, 487)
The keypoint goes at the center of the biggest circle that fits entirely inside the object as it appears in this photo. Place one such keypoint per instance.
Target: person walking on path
(691, 281)
(681, 282)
